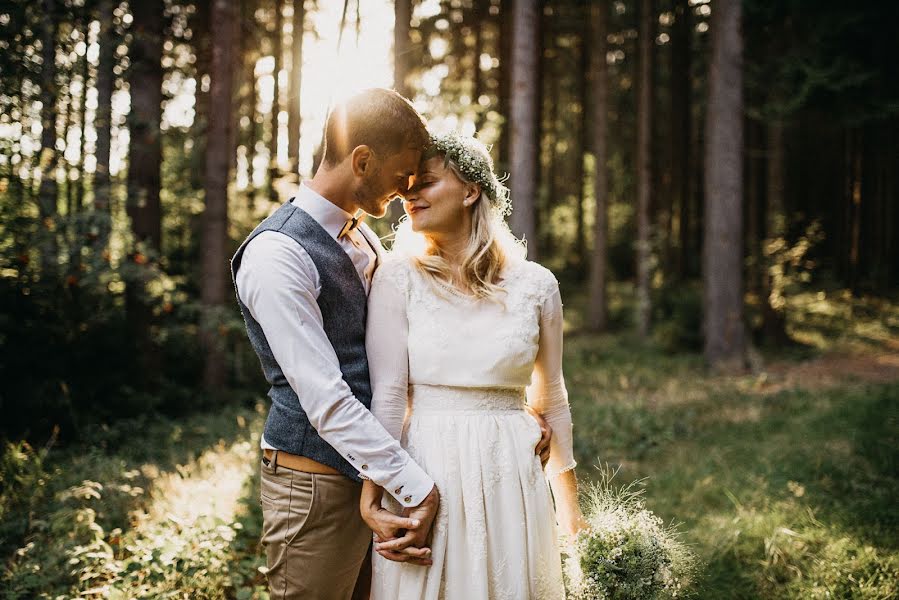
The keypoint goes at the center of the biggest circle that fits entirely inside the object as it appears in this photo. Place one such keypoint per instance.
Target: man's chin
(380, 209)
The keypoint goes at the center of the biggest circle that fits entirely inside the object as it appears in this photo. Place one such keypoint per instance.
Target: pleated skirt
(494, 537)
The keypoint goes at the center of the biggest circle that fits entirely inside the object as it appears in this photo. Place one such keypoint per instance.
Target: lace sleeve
(547, 393)
(386, 343)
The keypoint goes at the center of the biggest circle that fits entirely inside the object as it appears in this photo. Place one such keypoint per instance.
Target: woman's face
(439, 202)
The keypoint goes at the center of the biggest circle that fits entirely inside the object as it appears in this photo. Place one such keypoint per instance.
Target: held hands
(400, 538)
(546, 434)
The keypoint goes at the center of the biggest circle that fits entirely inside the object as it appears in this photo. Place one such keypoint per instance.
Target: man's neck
(332, 187)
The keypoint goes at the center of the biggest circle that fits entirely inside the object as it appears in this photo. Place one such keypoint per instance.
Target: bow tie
(350, 225)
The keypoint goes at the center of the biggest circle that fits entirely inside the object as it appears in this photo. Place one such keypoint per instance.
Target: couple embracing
(418, 412)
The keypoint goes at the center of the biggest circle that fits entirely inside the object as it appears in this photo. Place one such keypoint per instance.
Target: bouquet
(626, 552)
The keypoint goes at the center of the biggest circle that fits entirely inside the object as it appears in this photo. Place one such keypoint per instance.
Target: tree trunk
(774, 326)
(295, 86)
(504, 90)
(49, 157)
(681, 88)
(144, 120)
(580, 244)
(202, 41)
(103, 125)
(477, 77)
(722, 252)
(401, 46)
(82, 121)
(277, 51)
(144, 173)
(644, 166)
(523, 120)
(215, 218)
(401, 67)
(598, 307)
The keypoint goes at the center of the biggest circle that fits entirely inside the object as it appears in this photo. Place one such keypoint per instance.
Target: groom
(302, 277)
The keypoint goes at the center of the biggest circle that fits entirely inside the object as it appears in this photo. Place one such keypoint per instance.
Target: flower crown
(472, 158)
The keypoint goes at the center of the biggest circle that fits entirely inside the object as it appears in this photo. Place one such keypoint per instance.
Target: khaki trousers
(315, 540)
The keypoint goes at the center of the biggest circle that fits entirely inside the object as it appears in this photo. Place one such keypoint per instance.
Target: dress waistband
(442, 399)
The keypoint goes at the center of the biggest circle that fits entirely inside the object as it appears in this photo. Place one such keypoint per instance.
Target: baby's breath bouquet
(626, 553)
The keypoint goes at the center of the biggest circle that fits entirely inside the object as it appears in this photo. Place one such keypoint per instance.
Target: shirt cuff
(410, 486)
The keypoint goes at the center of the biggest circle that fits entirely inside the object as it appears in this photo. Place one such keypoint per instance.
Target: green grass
(782, 494)
(784, 487)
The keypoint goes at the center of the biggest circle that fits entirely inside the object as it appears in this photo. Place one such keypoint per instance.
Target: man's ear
(360, 159)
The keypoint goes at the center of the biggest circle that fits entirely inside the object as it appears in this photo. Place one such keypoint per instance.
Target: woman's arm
(547, 394)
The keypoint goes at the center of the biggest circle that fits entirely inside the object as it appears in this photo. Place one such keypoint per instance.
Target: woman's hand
(546, 435)
(572, 522)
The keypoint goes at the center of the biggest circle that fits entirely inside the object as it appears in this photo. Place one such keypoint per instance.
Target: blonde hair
(490, 247)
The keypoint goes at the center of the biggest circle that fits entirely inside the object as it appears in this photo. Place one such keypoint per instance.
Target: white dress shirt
(279, 283)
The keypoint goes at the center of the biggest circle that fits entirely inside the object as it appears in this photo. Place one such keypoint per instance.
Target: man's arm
(278, 282)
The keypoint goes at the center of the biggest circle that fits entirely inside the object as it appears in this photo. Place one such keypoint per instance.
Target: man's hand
(546, 435)
(411, 545)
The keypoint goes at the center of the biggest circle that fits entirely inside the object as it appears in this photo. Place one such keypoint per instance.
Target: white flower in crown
(473, 159)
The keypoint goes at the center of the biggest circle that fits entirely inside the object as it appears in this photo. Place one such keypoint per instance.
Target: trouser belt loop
(275, 461)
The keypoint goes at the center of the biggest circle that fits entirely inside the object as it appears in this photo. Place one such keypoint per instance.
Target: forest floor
(783, 480)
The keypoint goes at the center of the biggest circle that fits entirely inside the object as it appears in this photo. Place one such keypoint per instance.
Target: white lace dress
(451, 376)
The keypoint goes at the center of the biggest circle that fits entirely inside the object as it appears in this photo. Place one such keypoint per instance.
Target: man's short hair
(378, 118)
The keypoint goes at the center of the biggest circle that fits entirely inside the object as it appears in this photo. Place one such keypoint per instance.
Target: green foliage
(105, 526)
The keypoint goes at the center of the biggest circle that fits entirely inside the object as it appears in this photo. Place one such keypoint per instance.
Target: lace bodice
(422, 333)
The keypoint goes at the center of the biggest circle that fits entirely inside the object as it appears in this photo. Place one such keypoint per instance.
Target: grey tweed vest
(342, 301)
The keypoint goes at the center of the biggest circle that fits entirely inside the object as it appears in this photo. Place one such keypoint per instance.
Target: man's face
(385, 179)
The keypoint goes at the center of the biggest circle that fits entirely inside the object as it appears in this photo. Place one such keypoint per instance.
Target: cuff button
(364, 467)
(407, 499)
(398, 490)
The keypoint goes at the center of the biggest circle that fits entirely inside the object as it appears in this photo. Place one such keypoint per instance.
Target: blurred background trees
(684, 167)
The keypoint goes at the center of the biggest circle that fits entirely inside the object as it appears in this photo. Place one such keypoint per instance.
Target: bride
(463, 335)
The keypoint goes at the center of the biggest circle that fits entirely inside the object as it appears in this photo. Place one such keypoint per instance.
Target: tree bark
(582, 136)
(215, 218)
(401, 67)
(401, 46)
(597, 314)
(103, 125)
(278, 52)
(49, 157)
(722, 252)
(524, 112)
(644, 167)
(144, 121)
(774, 326)
(681, 88)
(144, 174)
(504, 90)
(295, 86)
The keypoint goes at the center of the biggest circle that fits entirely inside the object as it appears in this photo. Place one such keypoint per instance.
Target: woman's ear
(472, 194)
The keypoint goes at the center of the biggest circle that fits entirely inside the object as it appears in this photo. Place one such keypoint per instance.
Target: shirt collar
(327, 214)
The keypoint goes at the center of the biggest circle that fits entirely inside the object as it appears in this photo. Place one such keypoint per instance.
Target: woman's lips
(414, 209)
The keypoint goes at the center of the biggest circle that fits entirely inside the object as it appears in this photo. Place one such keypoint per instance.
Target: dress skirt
(494, 537)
